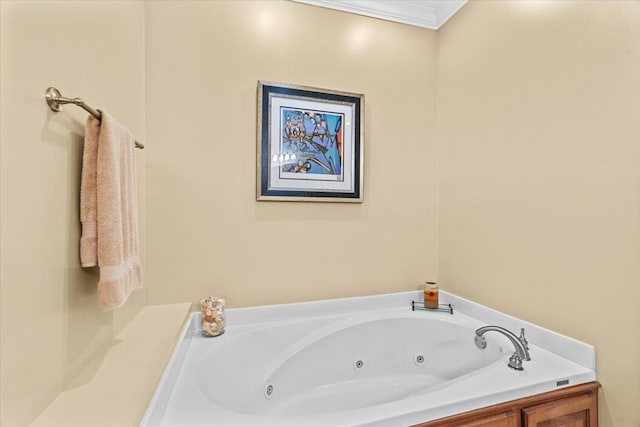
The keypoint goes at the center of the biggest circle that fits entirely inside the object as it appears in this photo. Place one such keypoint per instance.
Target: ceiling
(422, 13)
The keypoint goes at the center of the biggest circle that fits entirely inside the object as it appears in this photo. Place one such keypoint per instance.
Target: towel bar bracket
(55, 101)
(52, 95)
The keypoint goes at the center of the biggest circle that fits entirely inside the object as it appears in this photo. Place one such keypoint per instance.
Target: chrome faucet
(520, 343)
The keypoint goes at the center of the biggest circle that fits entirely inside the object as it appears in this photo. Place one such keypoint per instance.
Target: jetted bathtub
(356, 361)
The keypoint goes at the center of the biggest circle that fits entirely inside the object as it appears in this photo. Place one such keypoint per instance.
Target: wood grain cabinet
(568, 407)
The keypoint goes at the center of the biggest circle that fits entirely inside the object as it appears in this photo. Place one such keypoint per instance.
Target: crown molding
(430, 14)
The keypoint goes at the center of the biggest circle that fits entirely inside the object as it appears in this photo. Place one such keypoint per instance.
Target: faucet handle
(523, 339)
(525, 343)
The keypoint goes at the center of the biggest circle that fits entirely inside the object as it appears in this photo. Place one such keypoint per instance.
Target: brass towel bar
(55, 100)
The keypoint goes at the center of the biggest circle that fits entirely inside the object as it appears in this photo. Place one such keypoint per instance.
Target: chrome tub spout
(520, 344)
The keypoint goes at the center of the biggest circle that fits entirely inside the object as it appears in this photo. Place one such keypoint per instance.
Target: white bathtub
(356, 361)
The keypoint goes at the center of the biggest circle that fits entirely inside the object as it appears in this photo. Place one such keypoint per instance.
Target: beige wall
(206, 232)
(539, 158)
(538, 168)
(50, 321)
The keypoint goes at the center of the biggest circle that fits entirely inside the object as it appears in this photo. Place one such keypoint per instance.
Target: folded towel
(88, 195)
(109, 210)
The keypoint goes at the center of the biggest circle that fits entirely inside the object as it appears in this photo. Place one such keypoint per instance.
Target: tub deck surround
(356, 361)
(116, 385)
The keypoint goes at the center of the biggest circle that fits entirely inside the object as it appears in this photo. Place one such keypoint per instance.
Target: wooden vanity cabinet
(575, 406)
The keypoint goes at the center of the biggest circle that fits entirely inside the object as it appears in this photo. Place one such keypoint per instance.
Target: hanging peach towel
(109, 210)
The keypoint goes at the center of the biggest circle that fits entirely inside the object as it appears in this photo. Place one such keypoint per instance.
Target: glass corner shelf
(418, 305)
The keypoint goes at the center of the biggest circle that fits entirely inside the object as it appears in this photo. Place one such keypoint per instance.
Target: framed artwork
(310, 144)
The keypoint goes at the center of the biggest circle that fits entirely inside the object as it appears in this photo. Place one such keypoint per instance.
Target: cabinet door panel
(578, 411)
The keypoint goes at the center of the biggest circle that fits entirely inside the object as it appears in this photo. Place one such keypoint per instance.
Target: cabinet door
(576, 411)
